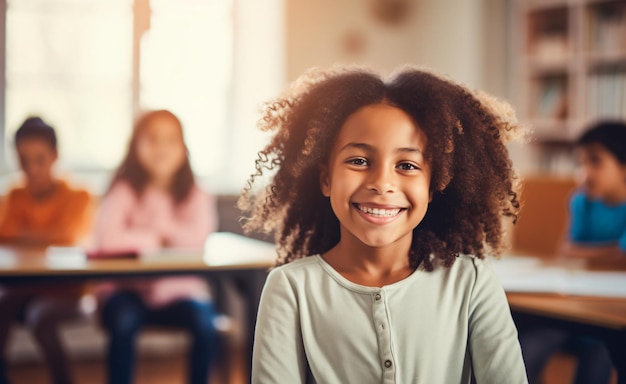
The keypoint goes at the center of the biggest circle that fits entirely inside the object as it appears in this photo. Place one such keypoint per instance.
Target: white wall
(259, 75)
(445, 35)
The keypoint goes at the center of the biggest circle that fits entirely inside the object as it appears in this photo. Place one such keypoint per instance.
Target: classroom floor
(153, 370)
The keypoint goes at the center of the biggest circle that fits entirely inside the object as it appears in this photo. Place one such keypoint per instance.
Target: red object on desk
(121, 254)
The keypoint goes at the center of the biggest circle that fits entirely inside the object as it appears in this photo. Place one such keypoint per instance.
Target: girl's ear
(324, 181)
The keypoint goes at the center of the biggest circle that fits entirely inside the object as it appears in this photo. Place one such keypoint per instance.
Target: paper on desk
(224, 248)
(65, 257)
(525, 274)
(220, 249)
(7, 258)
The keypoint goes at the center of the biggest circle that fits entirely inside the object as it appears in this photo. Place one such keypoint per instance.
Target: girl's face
(602, 174)
(377, 178)
(160, 148)
(36, 157)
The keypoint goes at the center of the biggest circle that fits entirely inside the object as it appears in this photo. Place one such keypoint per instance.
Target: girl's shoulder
(463, 264)
(579, 198)
(294, 274)
(580, 201)
(298, 265)
(297, 269)
(467, 270)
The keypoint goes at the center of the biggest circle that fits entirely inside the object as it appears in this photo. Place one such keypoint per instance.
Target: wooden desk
(609, 313)
(223, 251)
(602, 317)
(228, 259)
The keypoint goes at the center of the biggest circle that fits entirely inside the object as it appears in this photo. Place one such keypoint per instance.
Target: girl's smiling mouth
(378, 212)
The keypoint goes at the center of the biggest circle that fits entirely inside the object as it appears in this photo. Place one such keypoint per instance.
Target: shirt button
(378, 296)
(387, 363)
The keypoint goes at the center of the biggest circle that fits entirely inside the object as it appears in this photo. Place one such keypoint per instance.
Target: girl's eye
(357, 161)
(408, 167)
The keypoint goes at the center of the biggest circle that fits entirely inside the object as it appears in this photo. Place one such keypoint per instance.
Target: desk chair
(543, 219)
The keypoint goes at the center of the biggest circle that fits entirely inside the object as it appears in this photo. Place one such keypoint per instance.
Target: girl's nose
(382, 180)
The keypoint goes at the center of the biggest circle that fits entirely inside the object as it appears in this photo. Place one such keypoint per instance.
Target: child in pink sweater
(154, 202)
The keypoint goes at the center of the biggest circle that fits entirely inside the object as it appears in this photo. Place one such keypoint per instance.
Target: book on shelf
(551, 47)
(606, 96)
(608, 30)
(552, 100)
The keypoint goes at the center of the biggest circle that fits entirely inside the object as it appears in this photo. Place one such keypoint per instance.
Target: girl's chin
(380, 242)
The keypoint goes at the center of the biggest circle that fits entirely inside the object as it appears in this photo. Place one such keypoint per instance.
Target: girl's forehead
(594, 149)
(381, 117)
(161, 124)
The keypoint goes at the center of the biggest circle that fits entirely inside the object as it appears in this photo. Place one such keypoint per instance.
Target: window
(70, 62)
(88, 67)
(191, 76)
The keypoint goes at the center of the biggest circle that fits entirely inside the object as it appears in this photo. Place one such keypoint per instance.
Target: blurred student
(154, 202)
(597, 231)
(598, 209)
(44, 211)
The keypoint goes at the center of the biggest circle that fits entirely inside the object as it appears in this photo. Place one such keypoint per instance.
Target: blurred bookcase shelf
(571, 66)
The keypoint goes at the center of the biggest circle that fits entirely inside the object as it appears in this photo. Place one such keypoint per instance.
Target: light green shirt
(432, 327)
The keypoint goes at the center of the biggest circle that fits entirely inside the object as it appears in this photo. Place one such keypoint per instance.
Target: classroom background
(91, 67)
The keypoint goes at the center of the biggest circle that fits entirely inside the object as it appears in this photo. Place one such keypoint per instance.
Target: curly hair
(473, 183)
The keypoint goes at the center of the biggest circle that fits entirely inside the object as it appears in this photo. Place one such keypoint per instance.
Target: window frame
(227, 181)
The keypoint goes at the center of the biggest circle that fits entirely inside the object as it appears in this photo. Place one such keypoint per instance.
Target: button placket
(384, 336)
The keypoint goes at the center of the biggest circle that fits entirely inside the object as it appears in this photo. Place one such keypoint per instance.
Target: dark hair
(35, 128)
(610, 134)
(472, 180)
(132, 172)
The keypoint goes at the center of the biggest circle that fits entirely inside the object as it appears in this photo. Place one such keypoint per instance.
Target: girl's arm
(494, 346)
(278, 355)
(112, 231)
(192, 223)
(11, 227)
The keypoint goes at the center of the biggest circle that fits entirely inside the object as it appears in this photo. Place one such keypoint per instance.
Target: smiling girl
(386, 197)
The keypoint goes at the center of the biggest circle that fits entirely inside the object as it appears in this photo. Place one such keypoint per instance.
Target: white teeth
(378, 212)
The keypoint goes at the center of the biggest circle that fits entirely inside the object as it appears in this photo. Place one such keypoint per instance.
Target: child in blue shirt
(597, 230)
(598, 209)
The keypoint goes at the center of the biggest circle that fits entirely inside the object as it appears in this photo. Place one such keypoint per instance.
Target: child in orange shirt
(45, 211)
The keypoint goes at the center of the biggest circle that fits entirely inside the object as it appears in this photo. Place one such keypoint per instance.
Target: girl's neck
(43, 191)
(616, 197)
(370, 266)
(160, 183)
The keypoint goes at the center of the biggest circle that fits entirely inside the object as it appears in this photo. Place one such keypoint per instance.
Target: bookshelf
(571, 68)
